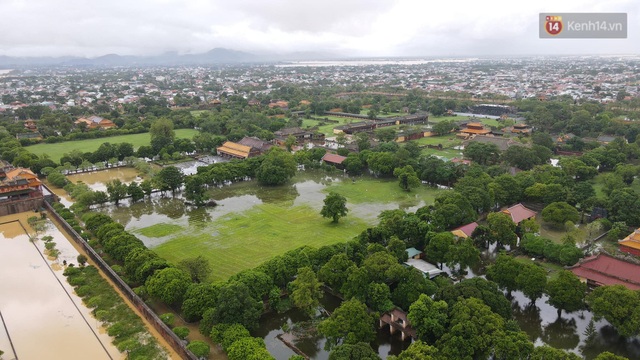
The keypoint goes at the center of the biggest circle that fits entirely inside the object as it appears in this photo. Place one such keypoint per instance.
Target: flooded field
(44, 318)
(251, 222)
(97, 180)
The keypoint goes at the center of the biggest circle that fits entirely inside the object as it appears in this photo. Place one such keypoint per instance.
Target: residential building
(519, 213)
(96, 122)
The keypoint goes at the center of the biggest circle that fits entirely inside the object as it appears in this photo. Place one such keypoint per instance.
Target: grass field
(326, 129)
(196, 113)
(55, 151)
(159, 230)
(552, 269)
(598, 185)
(383, 191)
(240, 241)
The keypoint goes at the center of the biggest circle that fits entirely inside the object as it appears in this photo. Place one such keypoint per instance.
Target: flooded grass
(244, 240)
(55, 151)
(159, 230)
(368, 190)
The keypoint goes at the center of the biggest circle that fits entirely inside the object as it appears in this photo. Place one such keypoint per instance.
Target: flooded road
(39, 308)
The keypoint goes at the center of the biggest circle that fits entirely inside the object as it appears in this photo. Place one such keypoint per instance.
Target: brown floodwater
(71, 258)
(44, 318)
(97, 180)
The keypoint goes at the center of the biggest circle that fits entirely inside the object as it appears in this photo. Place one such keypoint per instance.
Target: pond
(543, 326)
(272, 324)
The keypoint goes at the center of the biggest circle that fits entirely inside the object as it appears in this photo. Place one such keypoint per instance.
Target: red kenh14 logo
(553, 25)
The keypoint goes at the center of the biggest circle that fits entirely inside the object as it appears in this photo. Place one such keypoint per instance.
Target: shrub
(168, 319)
(181, 331)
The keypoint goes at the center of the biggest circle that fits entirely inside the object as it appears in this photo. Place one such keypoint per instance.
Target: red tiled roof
(604, 269)
(333, 158)
(518, 213)
(468, 229)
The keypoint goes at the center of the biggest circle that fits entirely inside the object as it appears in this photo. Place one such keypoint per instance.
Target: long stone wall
(169, 336)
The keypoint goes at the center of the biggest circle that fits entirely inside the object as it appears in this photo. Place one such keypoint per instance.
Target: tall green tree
(559, 213)
(566, 292)
(198, 268)
(169, 285)
(117, 190)
(502, 228)
(169, 178)
(619, 305)
(429, 318)
(194, 190)
(504, 272)
(335, 207)
(306, 291)
(350, 323)
(407, 178)
(162, 134)
(473, 331)
(277, 167)
(532, 281)
(357, 351)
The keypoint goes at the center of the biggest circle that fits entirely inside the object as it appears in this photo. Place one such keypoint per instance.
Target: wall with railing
(167, 334)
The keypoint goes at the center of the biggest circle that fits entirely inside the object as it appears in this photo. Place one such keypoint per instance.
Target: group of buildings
(587, 78)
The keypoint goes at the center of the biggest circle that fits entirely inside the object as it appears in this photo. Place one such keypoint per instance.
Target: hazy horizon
(353, 28)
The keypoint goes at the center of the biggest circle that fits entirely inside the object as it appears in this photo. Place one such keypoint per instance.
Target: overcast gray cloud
(345, 27)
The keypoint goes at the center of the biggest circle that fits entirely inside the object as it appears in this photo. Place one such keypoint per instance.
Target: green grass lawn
(55, 151)
(552, 269)
(446, 141)
(447, 153)
(196, 113)
(159, 230)
(326, 129)
(242, 241)
(365, 190)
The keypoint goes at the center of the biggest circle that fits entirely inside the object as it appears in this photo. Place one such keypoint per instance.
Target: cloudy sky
(343, 27)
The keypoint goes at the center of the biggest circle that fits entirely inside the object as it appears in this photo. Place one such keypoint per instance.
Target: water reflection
(313, 345)
(562, 334)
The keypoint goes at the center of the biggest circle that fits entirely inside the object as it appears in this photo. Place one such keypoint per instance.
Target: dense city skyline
(355, 28)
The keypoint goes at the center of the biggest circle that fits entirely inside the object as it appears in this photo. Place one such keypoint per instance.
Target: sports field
(57, 150)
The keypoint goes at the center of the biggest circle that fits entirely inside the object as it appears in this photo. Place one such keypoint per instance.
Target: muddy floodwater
(43, 317)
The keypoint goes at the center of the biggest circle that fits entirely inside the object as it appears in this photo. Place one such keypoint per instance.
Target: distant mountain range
(215, 56)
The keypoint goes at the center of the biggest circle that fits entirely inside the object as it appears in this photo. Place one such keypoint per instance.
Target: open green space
(57, 150)
(485, 121)
(327, 128)
(598, 185)
(159, 230)
(447, 141)
(196, 113)
(446, 153)
(552, 269)
(366, 190)
(240, 241)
